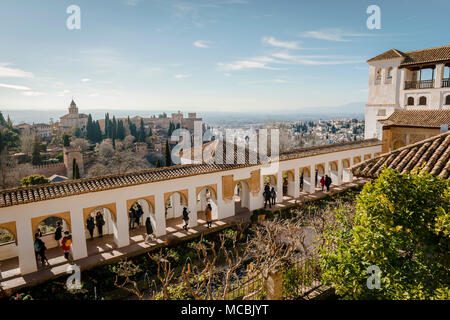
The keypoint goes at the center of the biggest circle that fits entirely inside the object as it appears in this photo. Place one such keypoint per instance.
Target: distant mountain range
(354, 109)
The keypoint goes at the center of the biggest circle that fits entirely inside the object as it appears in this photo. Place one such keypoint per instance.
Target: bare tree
(116, 161)
(80, 143)
(273, 245)
(125, 270)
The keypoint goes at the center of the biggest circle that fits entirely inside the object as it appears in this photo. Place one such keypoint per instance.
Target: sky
(204, 55)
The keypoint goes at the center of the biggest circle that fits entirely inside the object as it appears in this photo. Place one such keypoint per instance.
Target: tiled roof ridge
(426, 49)
(435, 146)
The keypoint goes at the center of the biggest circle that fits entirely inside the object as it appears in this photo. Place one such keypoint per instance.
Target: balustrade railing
(423, 84)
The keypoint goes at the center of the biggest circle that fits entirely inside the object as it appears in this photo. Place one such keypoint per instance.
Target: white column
(279, 187)
(312, 186)
(192, 207)
(439, 75)
(160, 215)
(25, 246)
(339, 173)
(297, 182)
(121, 232)
(79, 248)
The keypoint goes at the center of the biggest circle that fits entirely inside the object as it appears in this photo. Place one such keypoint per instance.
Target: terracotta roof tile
(418, 118)
(433, 154)
(429, 55)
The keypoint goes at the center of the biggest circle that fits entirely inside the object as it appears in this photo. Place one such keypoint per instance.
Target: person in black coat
(99, 221)
(138, 214)
(273, 194)
(39, 248)
(148, 229)
(132, 214)
(58, 231)
(90, 225)
(327, 182)
(185, 218)
(267, 196)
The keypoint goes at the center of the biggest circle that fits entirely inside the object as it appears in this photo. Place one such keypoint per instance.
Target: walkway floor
(104, 251)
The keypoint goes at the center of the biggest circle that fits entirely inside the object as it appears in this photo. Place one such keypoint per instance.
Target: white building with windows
(411, 80)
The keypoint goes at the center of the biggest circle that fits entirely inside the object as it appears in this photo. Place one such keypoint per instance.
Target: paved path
(103, 250)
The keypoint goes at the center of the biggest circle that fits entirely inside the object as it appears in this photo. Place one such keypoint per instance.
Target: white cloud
(182, 76)
(6, 72)
(227, 74)
(86, 80)
(32, 93)
(14, 87)
(201, 44)
(252, 63)
(279, 81)
(63, 93)
(271, 41)
(331, 35)
(315, 60)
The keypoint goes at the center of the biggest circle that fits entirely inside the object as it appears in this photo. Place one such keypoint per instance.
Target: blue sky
(224, 55)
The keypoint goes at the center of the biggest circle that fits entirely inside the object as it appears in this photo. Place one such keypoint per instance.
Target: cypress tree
(120, 130)
(36, 154)
(167, 157)
(75, 170)
(90, 134)
(141, 136)
(158, 164)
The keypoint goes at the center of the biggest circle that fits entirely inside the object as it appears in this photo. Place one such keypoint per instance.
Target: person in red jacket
(322, 182)
(66, 245)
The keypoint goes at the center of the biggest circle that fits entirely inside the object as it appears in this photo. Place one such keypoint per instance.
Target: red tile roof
(433, 154)
(430, 55)
(418, 118)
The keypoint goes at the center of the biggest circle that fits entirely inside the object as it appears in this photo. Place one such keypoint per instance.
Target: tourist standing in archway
(39, 248)
(301, 181)
(58, 232)
(66, 245)
(267, 196)
(99, 221)
(327, 182)
(322, 182)
(273, 194)
(208, 215)
(185, 218)
(132, 214)
(90, 225)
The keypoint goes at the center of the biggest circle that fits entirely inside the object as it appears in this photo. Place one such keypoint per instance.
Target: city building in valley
(407, 81)
(73, 119)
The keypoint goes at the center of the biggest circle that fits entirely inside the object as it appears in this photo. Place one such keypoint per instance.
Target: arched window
(447, 100)
(378, 74)
(410, 101)
(422, 101)
(389, 73)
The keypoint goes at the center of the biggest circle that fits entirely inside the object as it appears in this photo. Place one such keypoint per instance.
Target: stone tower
(69, 155)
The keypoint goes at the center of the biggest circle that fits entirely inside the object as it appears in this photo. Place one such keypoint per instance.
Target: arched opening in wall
(334, 172)
(398, 144)
(447, 100)
(319, 173)
(305, 179)
(423, 101)
(8, 249)
(367, 157)
(410, 101)
(241, 196)
(99, 222)
(288, 184)
(378, 76)
(51, 229)
(346, 174)
(356, 160)
(207, 204)
(139, 210)
(389, 73)
(175, 202)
